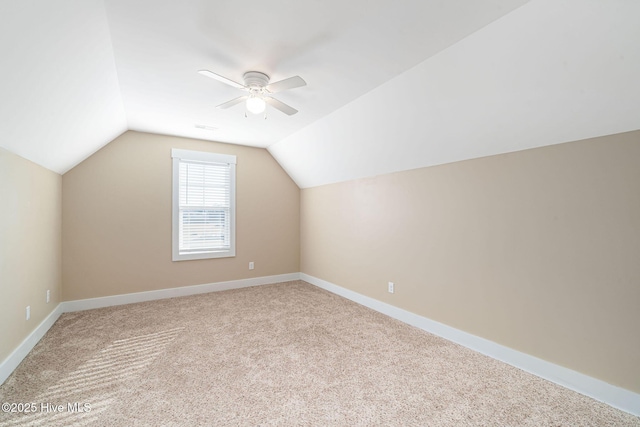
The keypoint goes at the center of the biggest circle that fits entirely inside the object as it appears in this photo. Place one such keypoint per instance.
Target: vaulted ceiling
(391, 85)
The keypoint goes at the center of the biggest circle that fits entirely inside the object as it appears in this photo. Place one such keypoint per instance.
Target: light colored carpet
(284, 354)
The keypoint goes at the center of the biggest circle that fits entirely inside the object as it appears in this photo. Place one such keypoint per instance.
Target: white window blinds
(204, 206)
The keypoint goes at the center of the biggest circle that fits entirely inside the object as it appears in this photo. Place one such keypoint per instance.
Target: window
(204, 198)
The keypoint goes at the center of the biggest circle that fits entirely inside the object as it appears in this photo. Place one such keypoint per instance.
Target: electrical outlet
(28, 312)
(391, 287)
(251, 265)
(48, 296)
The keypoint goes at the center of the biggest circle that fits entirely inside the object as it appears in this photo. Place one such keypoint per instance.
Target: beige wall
(30, 243)
(117, 219)
(537, 250)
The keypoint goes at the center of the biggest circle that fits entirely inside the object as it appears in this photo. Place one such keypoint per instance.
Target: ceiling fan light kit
(255, 104)
(257, 84)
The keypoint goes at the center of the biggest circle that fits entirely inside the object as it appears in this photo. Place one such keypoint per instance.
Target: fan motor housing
(255, 79)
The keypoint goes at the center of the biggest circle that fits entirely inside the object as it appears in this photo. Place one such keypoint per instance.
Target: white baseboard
(12, 361)
(91, 303)
(612, 395)
(617, 397)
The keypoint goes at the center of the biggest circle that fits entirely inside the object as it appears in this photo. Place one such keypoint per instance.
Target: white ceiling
(392, 85)
(549, 72)
(59, 94)
(343, 49)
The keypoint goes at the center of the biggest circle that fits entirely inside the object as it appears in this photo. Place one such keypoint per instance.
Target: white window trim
(201, 156)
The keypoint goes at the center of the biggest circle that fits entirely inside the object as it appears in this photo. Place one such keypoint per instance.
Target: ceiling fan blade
(220, 78)
(233, 102)
(280, 106)
(286, 84)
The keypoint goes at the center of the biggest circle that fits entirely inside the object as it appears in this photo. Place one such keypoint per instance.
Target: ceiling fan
(257, 84)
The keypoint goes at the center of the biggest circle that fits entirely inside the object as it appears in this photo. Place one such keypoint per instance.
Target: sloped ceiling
(391, 85)
(59, 94)
(77, 73)
(549, 72)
